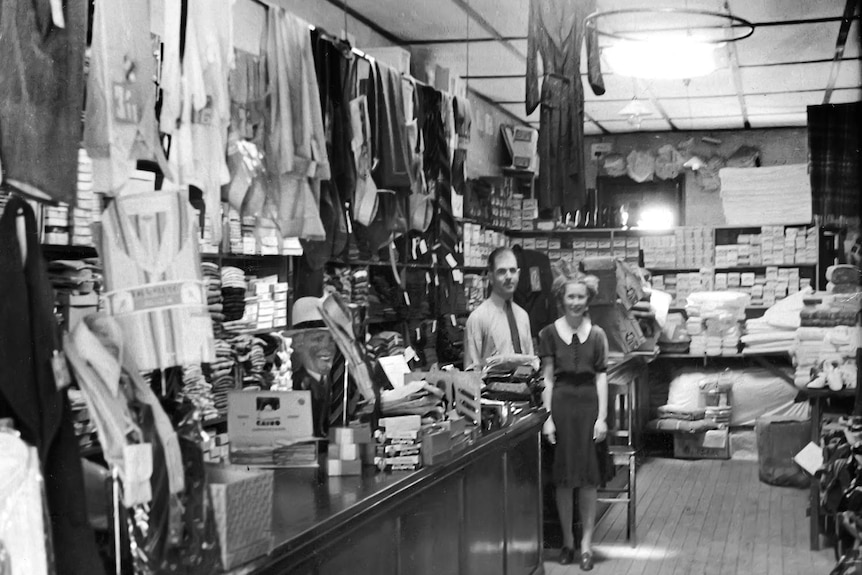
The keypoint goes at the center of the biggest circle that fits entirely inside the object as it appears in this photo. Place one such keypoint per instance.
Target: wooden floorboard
(706, 517)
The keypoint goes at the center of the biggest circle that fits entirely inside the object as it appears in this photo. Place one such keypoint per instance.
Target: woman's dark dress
(578, 460)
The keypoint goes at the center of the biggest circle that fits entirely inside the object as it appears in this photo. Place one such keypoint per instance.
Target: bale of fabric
(778, 440)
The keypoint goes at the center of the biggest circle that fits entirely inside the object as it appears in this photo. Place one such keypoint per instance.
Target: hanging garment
(245, 136)
(366, 200)
(556, 33)
(29, 392)
(421, 202)
(199, 143)
(153, 277)
(393, 150)
(330, 69)
(41, 96)
(296, 154)
(120, 126)
(111, 383)
(23, 533)
(835, 166)
(533, 292)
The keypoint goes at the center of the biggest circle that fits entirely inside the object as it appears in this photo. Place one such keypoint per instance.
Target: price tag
(454, 321)
(434, 326)
(410, 354)
(450, 259)
(407, 299)
(62, 377)
(458, 276)
(423, 247)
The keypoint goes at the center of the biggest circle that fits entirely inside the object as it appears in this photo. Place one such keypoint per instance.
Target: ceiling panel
(684, 108)
(777, 120)
(647, 125)
(500, 90)
(591, 129)
(729, 122)
(772, 10)
(520, 111)
(508, 17)
(783, 103)
(719, 83)
(797, 77)
(414, 20)
(845, 96)
(788, 43)
(485, 58)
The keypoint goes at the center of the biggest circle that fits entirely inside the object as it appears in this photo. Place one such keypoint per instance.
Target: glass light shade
(678, 58)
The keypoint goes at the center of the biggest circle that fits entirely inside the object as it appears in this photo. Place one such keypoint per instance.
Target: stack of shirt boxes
(55, 225)
(216, 449)
(88, 207)
(234, 230)
(659, 251)
(479, 242)
(695, 246)
(266, 303)
(346, 447)
(398, 444)
(764, 289)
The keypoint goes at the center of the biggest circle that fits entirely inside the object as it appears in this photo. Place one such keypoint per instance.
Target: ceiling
(789, 62)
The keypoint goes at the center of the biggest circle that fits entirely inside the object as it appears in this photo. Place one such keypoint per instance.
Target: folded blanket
(680, 425)
(681, 412)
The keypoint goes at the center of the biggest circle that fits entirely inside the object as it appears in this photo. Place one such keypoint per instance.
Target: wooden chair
(621, 425)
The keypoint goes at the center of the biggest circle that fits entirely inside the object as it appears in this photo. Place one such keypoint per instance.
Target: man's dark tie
(513, 327)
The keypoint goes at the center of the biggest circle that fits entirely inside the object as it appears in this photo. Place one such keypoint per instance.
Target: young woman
(574, 356)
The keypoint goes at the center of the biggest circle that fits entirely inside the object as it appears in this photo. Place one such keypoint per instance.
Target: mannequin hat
(306, 310)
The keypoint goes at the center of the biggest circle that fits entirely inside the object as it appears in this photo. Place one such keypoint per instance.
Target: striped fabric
(152, 273)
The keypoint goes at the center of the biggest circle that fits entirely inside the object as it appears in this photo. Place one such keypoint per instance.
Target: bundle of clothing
(825, 357)
(681, 418)
(413, 398)
(512, 377)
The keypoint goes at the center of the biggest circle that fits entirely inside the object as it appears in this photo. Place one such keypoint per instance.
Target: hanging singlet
(120, 126)
(153, 277)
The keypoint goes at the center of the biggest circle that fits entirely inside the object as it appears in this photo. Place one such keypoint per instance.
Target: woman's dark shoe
(586, 561)
(567, 556)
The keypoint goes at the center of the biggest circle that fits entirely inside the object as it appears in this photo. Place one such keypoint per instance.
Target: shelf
(242, 257)
(734, 356)
(734, 268)
(59, 252)
(215, 421)
(257, 331)
(362, 263)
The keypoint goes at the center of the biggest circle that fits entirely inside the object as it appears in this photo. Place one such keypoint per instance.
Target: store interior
(257, 315)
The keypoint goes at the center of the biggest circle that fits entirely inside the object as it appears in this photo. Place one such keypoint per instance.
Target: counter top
(309, 507)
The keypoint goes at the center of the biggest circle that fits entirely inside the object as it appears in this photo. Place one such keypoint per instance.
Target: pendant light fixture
(665, 43)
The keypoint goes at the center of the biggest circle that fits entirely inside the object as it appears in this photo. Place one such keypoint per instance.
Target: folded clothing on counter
(681, 425)
(681, 412)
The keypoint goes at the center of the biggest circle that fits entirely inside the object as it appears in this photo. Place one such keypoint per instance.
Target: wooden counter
(478, 513)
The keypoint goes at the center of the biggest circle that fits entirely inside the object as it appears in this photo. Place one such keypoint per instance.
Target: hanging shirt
(296, 143)
(41, 95)
(153, 277)
(120, 126)
(199, 145)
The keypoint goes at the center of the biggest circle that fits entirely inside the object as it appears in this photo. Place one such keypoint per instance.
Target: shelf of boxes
(479, 242)
(764, 288)
(773, 245)
(575, 249)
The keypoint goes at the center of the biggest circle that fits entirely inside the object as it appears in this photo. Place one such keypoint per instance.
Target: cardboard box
(623, 331)
(242, 506)
(713, 444)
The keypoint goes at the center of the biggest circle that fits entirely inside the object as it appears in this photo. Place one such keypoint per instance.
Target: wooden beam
(656, 104)
(589, 118)
(368, 22)
(849, 11)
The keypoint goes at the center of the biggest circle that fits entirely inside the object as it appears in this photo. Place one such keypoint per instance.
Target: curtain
(834, 147)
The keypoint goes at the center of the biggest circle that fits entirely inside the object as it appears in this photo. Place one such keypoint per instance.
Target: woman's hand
(600, 430)
(550, 431)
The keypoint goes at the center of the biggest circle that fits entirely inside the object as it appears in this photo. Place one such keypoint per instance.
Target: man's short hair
(492, 258)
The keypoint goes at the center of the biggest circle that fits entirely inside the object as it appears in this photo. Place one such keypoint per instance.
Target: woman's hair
(561, 283)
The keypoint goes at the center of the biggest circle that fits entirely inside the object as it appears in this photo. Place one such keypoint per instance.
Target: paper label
(155, 296)
(458, 276)
(62, 378)
(423, 247)
(137, 469)
(450, 259)
(535, 279)
(410, 354)
(394, 367)
(123, 104)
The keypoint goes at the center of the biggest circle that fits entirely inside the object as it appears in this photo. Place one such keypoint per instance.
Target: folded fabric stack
(720, 416)
(85, 429)
(843, 278)
(88, 204)
(198, 391)
(413, 398)
(385, 344)
(233, 288)
(212, 281)
(825, 357)
(681, 418)
(763, 337)
(220, 374)
(715, 334)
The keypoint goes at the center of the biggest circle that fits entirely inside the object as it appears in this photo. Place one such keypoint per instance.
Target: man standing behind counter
(498, 326)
